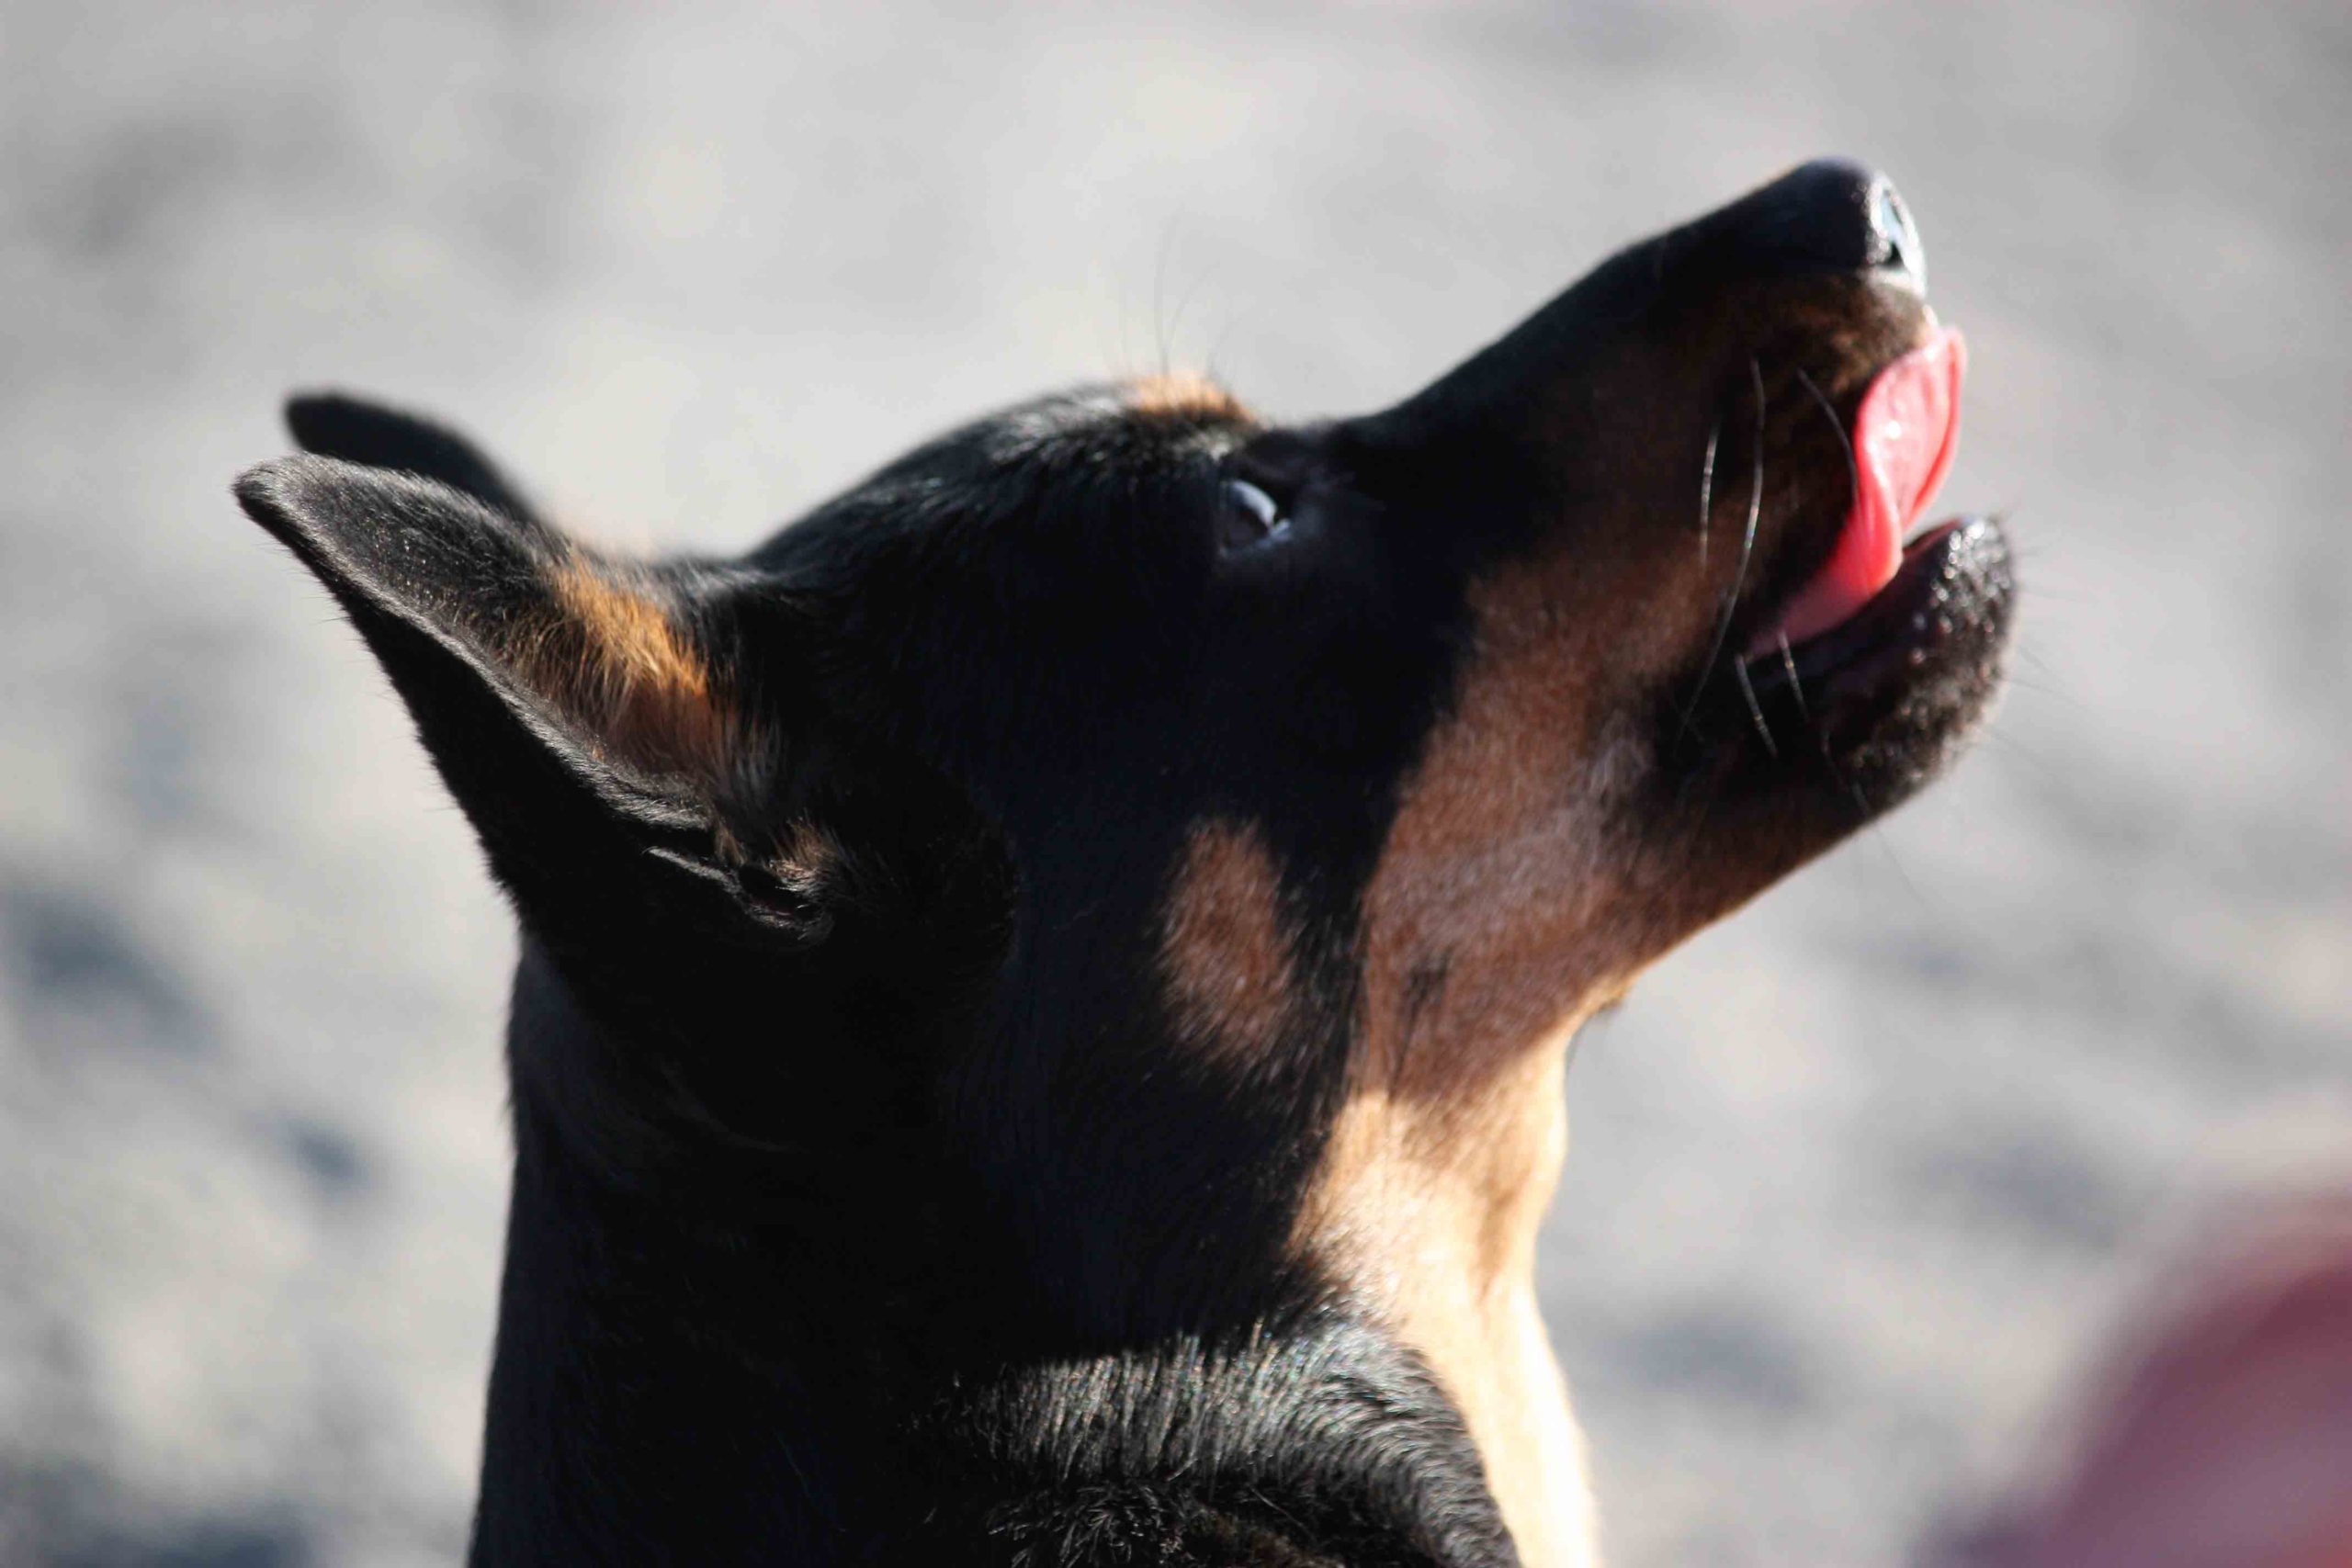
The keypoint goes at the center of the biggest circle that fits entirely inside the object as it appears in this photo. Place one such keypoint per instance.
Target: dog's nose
(1830, 215)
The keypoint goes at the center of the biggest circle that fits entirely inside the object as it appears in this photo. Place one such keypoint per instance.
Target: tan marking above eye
(1225, 958)
(1184, 396)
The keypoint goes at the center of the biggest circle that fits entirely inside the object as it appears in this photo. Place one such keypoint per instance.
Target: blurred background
(1859, 1178)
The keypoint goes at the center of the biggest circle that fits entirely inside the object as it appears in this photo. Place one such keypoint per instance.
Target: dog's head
(1189, 829)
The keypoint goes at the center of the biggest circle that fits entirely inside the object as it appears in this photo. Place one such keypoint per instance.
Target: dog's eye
(1248, 516)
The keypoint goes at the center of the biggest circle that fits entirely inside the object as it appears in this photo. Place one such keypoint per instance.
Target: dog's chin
(1825, 734)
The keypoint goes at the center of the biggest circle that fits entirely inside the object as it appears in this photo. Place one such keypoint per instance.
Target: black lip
(1891, 692)
(1881, 697)
(1953, 578)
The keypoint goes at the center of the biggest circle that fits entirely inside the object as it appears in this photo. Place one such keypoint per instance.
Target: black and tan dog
(1044, 986)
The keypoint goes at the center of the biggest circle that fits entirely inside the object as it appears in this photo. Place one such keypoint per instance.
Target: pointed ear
(334, 426)
(595, 719)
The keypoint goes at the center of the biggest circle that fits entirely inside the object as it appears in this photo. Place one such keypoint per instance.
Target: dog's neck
(674, 1373)
(655, 1379)
(613, 1413)
(1433, 1208)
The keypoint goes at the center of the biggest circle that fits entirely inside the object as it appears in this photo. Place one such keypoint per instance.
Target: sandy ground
(1858, 1178)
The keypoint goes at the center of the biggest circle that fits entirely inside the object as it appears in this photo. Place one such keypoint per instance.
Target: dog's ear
(612, 730)
(334, 426)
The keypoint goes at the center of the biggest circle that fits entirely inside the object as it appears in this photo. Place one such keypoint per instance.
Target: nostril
(1831, 215)
(1897, 236)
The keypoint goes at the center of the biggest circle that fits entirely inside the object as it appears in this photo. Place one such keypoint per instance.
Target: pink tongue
(1903, 437)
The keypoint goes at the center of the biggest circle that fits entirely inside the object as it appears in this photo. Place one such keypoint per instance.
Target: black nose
(1828, 215)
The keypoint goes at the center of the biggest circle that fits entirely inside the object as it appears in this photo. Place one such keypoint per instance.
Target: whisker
(1853, 494)
(1746, 550)
(2011, 748)
(1789, 663)
(1880, 837)
(1160, 293)
(1184, 303)
(1821, 736)
(1755, 506)
(1707, 491)
(1755, 709)
(1236, 317)
(1845, 439)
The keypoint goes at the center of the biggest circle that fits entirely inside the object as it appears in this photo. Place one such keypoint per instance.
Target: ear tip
(315, 417)
(281, 494)
(273, 483)
(262, 489)
(377, 436)
(307, 403)
(271, 495)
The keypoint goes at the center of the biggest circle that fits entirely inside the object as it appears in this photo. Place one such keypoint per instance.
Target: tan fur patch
(1500, 865)
(1184, 396)
(1224, 950)
(1445, 1250)
(1487, 938)
(613, 658)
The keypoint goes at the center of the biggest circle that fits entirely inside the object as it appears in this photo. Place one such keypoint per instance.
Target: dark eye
(1247, 515)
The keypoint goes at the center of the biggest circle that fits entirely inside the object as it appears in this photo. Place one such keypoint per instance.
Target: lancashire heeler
(1044, 986)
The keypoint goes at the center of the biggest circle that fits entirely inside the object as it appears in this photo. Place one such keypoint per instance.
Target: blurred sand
(1858, 1178)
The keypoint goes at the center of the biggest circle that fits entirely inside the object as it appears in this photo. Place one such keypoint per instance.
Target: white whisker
(1747, 551)
(1845, 441)
(1755, 709)
(1707, 491)
(1789, 664)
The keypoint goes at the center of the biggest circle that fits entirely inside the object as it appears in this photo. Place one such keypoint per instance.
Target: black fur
(866, 1207)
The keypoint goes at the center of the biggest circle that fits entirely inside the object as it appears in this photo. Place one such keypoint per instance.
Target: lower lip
(1900, 620)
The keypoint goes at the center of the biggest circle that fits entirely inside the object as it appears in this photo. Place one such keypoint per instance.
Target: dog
(1044, 986)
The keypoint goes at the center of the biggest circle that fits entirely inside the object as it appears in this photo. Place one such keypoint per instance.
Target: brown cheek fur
(1498, 910)
(1495, 922)
(1224, 954)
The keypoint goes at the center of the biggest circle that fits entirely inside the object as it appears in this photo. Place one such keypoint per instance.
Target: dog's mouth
(1885, 645)
(1903, 438)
